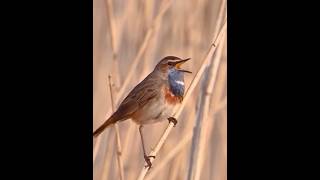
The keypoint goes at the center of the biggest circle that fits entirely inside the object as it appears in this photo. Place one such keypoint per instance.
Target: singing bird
(153, 99)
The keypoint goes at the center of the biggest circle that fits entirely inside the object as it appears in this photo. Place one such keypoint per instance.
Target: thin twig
(189, 91)
(99, 140)
(220, 17)
(129, 135)
(113, 37)
(107, 155)
(119, 149)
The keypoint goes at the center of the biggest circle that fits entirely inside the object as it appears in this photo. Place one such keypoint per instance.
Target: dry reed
(202, 124)
(133, 35)
(116, 127)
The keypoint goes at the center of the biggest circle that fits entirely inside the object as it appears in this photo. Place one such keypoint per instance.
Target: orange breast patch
(171, 98)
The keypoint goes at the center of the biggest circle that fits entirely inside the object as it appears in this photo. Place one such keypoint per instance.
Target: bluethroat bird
(153, 99)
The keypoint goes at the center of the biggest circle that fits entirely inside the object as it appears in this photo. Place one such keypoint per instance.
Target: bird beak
(179, 63)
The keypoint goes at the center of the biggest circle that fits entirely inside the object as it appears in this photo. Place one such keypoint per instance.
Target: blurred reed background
(129, 38)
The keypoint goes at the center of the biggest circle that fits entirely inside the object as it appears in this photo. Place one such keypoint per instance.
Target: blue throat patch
(174, 76)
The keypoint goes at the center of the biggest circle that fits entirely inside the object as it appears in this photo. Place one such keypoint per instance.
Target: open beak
(179, 63)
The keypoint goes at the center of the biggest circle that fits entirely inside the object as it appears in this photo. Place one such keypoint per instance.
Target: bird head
(172, 63)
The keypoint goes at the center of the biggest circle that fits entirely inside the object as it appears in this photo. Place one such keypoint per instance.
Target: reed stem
(116, 127)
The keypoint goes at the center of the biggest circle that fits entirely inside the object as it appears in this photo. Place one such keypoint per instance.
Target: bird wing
(145, 91)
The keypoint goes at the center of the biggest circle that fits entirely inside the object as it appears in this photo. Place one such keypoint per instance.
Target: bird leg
(173, 120)
(146, 158)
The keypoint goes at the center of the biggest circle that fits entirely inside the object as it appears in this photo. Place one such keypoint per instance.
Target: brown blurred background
(125, 31)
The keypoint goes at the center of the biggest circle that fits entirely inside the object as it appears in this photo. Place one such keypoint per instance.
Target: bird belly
(155, 111)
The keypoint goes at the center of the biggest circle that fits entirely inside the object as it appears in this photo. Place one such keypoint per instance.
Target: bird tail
(108, 122)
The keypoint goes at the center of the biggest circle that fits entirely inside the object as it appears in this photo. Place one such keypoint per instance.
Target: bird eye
(170, 63)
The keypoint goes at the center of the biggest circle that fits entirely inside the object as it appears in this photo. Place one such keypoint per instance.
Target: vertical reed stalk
(107, 155)
(207, 125)
(113, 37)
(119, 149)
(203, 126)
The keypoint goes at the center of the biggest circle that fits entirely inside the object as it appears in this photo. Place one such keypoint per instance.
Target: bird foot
(147, 159)
(173, 120)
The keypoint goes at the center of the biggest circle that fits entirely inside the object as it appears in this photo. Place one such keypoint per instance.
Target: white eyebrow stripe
(180, 82)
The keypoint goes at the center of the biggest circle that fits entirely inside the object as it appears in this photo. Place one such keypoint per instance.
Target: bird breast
(158, 109)
(170, 98)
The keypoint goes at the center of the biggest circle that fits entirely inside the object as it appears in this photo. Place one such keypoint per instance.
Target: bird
(153, 99)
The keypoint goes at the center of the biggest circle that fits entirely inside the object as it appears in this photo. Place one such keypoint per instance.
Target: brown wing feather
(138, 97)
